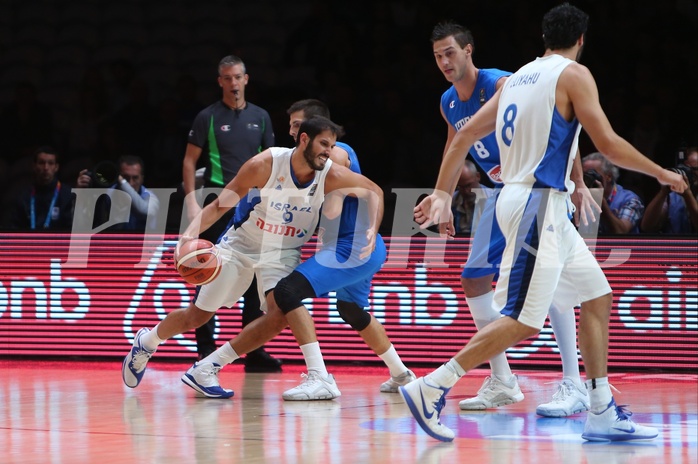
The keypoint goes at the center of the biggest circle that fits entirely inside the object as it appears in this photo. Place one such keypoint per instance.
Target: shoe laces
(140, 358)
(564, 391)
(491, 383)
(210, 370)
(488, 384)
(310, 378)
(440, 403)
(622, 412)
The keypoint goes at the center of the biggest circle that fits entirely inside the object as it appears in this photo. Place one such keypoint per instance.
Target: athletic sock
(447, 374)
(599, 394)
(222, 356)
(151, 341)
(313, 358)
(565, 330)
(483, 313)
(393, 361)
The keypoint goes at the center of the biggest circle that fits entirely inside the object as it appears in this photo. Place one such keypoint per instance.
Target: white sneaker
(567, 400)
(393, 383)
(314, 387)
(493, 394)
(426, 402)
(203, 377)
(614, 424)
(135, 362)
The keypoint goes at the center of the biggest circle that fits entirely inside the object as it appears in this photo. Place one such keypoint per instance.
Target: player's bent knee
(198, 317)
(290, 292)
(354, 315)
(476, 286)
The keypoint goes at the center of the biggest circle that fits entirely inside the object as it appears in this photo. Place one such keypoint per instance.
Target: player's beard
(312, 160)
(579, 53)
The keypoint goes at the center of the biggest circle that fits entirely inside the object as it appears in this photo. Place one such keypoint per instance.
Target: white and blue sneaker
(203, 377)
(426, 402)
(614, 424)
(136, 360)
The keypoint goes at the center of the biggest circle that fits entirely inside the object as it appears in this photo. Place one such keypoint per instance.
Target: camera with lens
(591, 177)
(104, 174)
(685, 170)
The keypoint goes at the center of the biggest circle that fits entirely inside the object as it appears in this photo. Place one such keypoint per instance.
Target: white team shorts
(237, 272)
(545, 259)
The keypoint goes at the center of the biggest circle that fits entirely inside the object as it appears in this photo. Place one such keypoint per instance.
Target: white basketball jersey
(281, 214)
(536, 144)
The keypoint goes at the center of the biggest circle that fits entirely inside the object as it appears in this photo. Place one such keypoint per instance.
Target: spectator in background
(129, 180)
(46, 204)
(465, 213)
(674, 213)
(621, 209)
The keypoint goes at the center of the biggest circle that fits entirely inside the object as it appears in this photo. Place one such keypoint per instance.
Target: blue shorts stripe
(527, 241)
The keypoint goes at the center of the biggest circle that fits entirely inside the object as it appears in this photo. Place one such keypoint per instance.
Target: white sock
(447, 374)
(565, 330)
(313, 358)
(151, 341)
(599, 394)
(393, 361)
(222, 356)
(483, 313)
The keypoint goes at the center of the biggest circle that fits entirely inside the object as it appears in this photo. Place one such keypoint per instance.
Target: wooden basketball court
(80, 412)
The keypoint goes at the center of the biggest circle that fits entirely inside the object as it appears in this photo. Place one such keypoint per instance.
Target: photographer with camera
(127, 175)
(621, 209)
(45, 203)
(673, 213)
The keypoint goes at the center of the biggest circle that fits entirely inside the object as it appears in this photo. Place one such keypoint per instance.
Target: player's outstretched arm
(578, 87)
(436, 208)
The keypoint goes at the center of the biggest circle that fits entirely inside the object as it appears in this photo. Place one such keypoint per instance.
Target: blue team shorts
(487, 245)
(336, 268)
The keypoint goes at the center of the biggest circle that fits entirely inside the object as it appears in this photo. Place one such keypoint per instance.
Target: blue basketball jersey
(350, 220)
(485, 151)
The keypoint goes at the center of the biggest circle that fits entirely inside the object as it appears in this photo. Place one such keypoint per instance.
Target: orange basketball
(197, 261)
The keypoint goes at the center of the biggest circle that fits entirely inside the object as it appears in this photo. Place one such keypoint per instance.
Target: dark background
(129, 76)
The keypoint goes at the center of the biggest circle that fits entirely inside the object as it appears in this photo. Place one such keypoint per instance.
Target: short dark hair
(231, 60)
(131, 160)
(461, 34)
(310, 107)
(317, 124)
(49, 150)
(563, 25)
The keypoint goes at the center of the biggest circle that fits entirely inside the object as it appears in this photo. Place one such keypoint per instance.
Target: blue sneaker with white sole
(614, 424)
(135, 362)
(203, 377)
(426, 402)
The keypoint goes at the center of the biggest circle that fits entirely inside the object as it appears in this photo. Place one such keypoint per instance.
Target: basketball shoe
(314, 387)
(426, 402)
(492, 394)
(614, 424)
(203, 377)
(567, 400)
(136, 361)
(393, 383)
